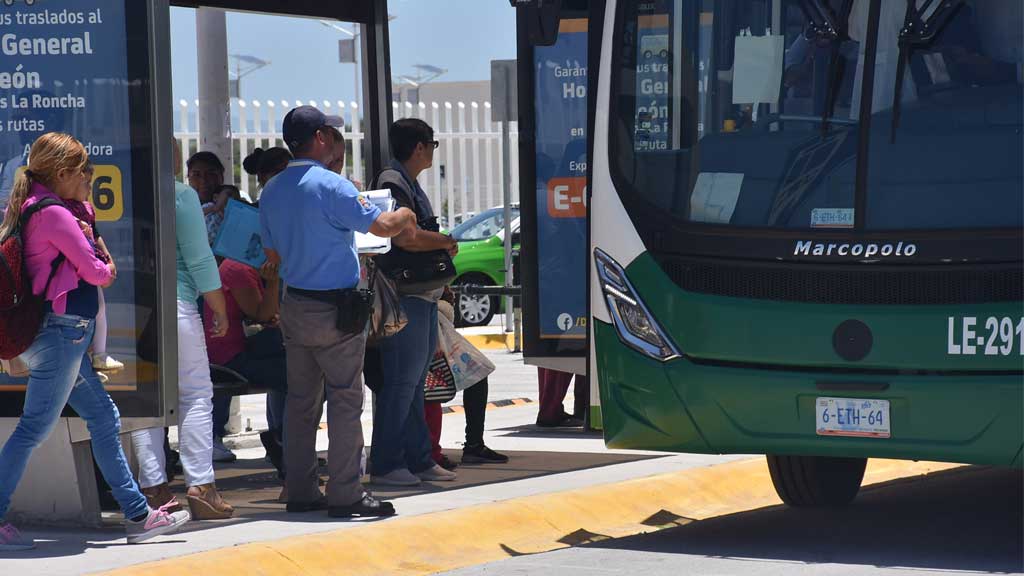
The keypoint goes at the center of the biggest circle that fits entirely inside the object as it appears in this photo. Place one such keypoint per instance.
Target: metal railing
(466, 176)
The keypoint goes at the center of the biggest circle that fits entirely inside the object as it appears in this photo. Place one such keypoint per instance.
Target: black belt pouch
(354, 310)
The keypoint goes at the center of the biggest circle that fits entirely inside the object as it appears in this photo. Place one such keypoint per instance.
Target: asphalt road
(967, 520)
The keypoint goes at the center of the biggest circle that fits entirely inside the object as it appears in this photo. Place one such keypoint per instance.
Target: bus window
(736, 112)
(956, 145)
(747, 113)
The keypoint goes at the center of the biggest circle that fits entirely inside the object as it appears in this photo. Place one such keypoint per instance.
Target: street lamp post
(425, 73)
(354, 35)
(245, 65)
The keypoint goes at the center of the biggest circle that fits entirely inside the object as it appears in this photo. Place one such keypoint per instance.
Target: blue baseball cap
(300, 124)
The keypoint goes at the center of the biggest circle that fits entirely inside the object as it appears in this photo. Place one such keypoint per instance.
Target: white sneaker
(437, 474)
(105, 363)
(221, 452)
(158, 522)
(400, 477)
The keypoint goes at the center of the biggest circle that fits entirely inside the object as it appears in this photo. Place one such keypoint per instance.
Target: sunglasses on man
(431, 143)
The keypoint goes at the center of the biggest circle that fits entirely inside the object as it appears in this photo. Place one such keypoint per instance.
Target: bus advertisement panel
(561, 167)
(82, 68)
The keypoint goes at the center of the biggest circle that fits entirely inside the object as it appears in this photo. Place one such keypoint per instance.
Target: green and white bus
(806, 232)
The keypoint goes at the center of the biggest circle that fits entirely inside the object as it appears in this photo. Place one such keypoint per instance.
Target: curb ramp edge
(490, 532)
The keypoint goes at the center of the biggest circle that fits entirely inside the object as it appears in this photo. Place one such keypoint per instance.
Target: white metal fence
(466, 177)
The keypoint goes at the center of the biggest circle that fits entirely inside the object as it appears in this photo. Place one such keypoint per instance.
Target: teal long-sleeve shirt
(197, 268)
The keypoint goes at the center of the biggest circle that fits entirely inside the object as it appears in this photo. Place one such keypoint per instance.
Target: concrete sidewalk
(543, 461)
(561, 488)
(552, 462)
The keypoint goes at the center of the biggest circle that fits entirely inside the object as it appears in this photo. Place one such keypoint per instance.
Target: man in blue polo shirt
(308, 219)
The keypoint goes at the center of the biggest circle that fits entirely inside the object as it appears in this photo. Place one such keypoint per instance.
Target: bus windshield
(794, 114)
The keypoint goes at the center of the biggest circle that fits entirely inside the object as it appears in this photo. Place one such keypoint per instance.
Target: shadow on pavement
(967, 519)
(534, 431)
(252, 486)
(51, 543)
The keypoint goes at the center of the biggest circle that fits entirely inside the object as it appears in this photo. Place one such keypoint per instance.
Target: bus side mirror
(542, 19)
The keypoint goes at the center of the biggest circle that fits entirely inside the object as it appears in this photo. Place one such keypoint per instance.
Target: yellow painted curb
(491, 341)
(475, 535)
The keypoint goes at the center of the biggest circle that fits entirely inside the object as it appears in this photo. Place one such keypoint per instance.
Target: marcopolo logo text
(855, 250)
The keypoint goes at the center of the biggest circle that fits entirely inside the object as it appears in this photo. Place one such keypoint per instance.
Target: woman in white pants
(197, 274)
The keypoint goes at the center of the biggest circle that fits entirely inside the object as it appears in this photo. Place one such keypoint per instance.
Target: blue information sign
(64, 67)
(561, 126)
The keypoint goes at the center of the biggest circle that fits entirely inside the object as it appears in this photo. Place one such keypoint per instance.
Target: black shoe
(367, 507)
(173, 464)
(275, 452)
(447, 463)
(566, 421)
(318, 504)
(481, 454)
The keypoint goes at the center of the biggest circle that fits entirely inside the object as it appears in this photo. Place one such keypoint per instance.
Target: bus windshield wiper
(920, 28)
(828, 26)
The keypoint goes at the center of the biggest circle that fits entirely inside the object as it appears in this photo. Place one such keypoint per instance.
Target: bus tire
(816, 481)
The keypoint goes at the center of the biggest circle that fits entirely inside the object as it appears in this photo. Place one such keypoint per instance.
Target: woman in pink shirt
(62, 265)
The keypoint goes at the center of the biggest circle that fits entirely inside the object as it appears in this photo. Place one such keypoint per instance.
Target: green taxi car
(481, 261)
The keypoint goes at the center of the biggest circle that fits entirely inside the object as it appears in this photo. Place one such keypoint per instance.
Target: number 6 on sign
(107, 193)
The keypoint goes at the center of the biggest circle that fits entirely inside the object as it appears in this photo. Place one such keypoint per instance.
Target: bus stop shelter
(120, 88)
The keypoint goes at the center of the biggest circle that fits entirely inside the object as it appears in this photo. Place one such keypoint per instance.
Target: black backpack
(21, 311)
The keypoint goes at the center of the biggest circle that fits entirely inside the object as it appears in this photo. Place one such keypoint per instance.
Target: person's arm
(66, 235)
(256, 306)
(103, 247)
(346, 208)
(413, 239)
(87, 230)
(217, 206)
(194, 245)
(215, 300)
(391, 224)
(416, 240)
(220, 200)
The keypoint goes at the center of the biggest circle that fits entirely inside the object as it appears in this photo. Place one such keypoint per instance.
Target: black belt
(328, 296)
(354, 306)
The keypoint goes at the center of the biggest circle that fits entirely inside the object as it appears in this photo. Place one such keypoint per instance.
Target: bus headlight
(634, 323)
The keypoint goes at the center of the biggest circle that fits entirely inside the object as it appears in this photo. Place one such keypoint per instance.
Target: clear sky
(460, 35)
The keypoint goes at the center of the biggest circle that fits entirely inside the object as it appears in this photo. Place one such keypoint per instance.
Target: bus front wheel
(809, 481)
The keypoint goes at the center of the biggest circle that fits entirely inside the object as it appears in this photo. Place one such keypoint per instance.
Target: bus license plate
(858, 417)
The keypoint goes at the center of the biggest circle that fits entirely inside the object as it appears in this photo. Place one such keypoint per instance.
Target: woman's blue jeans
(61, 373)
(400, 435)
